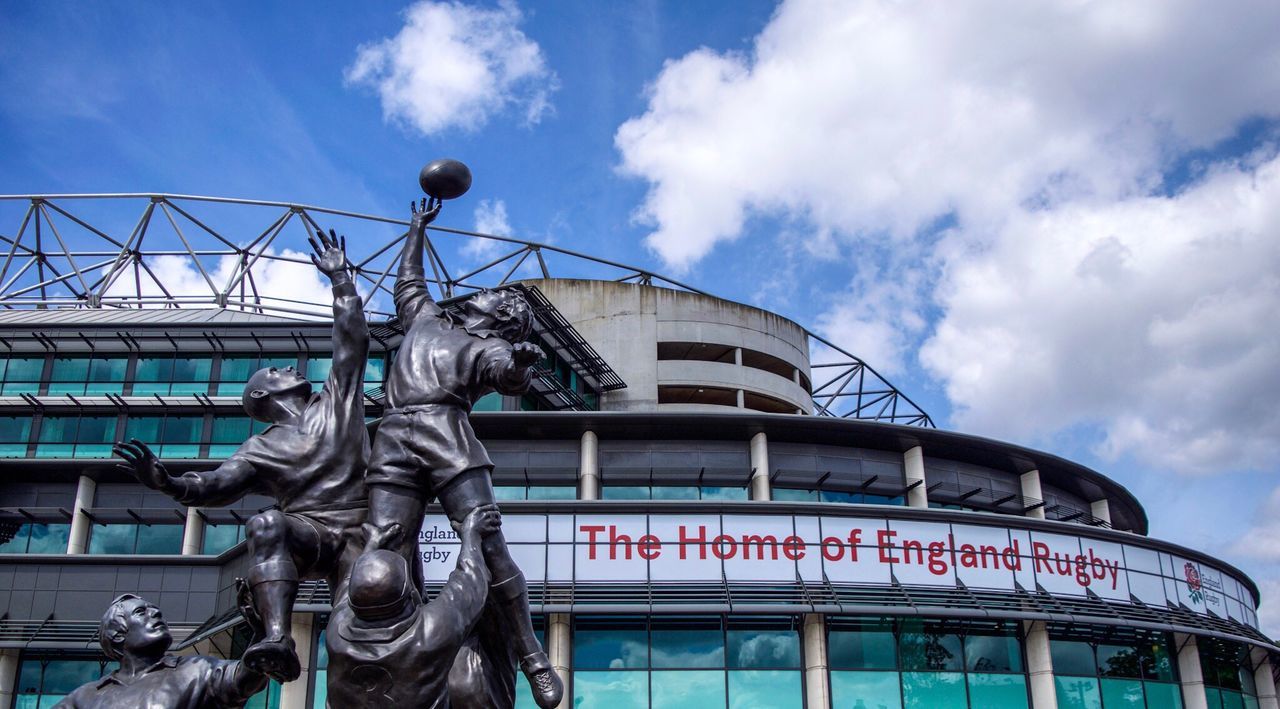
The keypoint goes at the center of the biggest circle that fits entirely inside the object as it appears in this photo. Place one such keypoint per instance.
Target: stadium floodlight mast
(142, 250)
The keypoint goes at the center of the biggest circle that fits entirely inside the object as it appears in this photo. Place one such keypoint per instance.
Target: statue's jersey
(172, 683)
(319, 463)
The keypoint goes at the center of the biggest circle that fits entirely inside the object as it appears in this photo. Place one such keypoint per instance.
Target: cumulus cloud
(455, 66)
(1017, 152)
(491, 218)
(880, 117)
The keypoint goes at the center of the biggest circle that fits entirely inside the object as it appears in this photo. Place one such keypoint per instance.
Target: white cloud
(455, 66)
(879, 117)
(1155, 318)
(491, 218)
(1068, 289)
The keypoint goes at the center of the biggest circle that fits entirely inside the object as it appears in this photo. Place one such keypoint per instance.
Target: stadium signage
(662, 548)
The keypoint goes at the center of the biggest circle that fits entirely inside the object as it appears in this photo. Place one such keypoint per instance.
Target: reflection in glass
(763, 648)
(933, 690)
(610, 649)
(865, 690)
(37, 538)
(674, 689)
(998, 691)
(870, 648)
(611, 690)
(922, 648)
(1077, 692)
(1072, 657)
(688, 648)
(1122, 694)
(221, 537)
(993, 653)
(776, 689)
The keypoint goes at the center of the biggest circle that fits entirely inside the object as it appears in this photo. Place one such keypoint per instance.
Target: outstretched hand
(143, 465)
(424, 213)
(330, 253)
(526, 354)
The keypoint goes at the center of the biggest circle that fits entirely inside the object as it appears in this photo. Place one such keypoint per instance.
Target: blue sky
(1052, 223)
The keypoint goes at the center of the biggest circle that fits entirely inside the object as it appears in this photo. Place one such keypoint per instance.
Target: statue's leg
(508, 590)
(276, 545)
(403, 506)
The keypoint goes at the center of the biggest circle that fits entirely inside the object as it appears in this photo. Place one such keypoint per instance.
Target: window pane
(1231, 699)
(191, 375)
(17, 539)
(865, 690)
(724, 493)
(552, 492)
(183, 429)
(925, 649)
(1071, 657)
(870, 648)
(610, 649)
(1077, 693)
(144, 428)
(489, 402)
(611, 690)
(998, 691)
(106, 375)
(15, 431)
(688, 648)
(22, 375)
(674, 492)
(1157, 659)
(776, 689)
(49, 538)
(688, 690)
(63, 676)
(788, 495)
(230, 429)
(993, 653)
(113, 538)
(1163, 696)
(234, 373)
(219, 538)
(933, 690)
(508, 492)
(95, 436)
(625, 492)
(160, 539)
(318, 369)
(763, 648)
(68, 375)
(1118, 661)
(1122, 694)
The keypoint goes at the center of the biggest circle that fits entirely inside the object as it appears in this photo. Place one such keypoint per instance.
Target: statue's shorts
(338, 536)
(424, 447)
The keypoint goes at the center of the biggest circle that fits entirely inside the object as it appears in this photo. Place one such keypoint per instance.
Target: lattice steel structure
(184, 251)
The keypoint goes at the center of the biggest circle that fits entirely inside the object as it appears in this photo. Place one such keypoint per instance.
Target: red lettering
(1040, 557)
(830, 543)
(648, 547)
(615, 539)
(718, 544)
(700, 540)
(760, 542)
(855, 536)
(910, 545)
(884, 540)
(793, 548)
(592, 530)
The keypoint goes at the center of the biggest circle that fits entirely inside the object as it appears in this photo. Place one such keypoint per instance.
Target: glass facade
(92, 376)
(169, 436)
(15, 435)
(21, 375)
(672, 492)
(172, 374)
(1135, 670)
(135, 539)
(1228, 674)
(534, 492)
(915, 663)
(862, 498)
(34, 538)
(220, 537)
(76, 436)
(686, 662)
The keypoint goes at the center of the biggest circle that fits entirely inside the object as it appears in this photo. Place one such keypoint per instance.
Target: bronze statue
(425, 446)
(134, 633)
(312, 459)
(387, 648)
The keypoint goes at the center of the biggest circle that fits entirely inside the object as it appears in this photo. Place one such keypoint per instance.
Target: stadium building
(707, 517)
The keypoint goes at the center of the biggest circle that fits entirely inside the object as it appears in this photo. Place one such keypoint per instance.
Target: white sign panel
(638, 548)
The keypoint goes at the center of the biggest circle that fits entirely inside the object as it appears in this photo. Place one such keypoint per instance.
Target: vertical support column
(293, 695)
(193, 533)
(913, 466)
(589, 467)
(1101, 509)
(1044, 694)
(1189, 673)
(1264, 680)
(760, 488)
(817, 682)
(78, 540)
(558, 651)
(1031, 489)
(8, 676)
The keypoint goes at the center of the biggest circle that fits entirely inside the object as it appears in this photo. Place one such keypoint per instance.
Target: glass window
(88, 375)
(172, 375)
(1072, 657)
(612, 690)
(21, 375)
(763, 648)
(998, 691)
(1122, 694)
(921, 647)
(871, 647)
(36, 538)
(783, 494)
(624, 492)
(1118, 661)
(1161, 695)
(934, 690)
(993, 653)
(777, 689)
(231, 431)
(236, 370)
(696, 647)
(76, 436)
(221, 537)
(688, 689)
(865, 690)
(15, 432)
(1077, 692)
(168, 436)
(610, 649)
(135, 539)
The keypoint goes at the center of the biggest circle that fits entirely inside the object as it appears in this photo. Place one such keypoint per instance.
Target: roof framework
(112, 251)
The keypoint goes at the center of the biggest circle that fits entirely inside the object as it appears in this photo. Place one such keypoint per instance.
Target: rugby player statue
(311, 459)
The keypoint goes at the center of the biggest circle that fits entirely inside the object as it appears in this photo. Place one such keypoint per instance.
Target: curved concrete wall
(624, 322)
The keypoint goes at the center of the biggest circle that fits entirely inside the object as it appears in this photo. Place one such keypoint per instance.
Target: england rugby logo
(1193, 583)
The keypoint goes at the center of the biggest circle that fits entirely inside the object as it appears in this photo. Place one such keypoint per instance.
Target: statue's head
(132, 626)
(380, 586)
(503, 311)
(268, 386)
